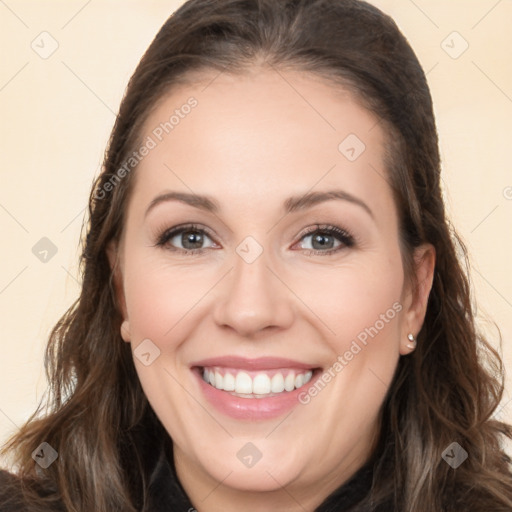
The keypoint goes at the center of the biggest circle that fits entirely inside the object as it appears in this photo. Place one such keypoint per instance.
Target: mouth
(252, 384)
(254, 389)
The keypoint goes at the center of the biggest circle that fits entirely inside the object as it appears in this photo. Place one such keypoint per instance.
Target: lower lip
(252, 408)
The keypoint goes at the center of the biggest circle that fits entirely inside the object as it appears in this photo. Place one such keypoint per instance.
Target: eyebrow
(292, 204)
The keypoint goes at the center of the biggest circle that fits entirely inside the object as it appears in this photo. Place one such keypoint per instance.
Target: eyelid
(324, 228)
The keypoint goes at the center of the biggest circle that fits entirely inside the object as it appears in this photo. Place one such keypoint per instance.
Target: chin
(257, 479)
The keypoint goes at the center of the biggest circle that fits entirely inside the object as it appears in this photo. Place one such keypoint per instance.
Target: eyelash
(342, 235)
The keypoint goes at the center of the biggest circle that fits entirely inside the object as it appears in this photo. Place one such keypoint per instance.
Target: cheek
(361, 306)
(359, 300)
(161, 302)
(159, 297)
(359, 310)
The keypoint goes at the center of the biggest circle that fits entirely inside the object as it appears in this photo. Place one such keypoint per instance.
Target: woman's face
(292, 294)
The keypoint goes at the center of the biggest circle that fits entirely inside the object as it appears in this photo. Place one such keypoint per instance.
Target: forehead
(260, 136)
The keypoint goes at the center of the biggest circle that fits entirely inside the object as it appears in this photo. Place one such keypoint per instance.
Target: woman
(272, 315)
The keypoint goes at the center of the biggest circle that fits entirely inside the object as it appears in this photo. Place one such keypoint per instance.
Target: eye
(325, 240)
(190, 237)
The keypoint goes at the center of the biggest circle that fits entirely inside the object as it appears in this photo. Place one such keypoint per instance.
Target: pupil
(321, 239)
(193, 238)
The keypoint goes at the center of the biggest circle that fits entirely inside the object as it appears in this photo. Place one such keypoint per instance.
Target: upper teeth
(261, 384)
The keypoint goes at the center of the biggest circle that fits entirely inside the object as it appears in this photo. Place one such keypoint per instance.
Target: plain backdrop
(64, 67)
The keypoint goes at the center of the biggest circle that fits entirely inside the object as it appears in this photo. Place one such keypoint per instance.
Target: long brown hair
(97, 416)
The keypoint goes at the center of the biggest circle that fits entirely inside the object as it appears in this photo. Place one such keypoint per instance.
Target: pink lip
(260, 363)
(251, 408)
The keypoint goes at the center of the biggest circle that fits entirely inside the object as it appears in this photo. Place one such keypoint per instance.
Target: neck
(209, 495)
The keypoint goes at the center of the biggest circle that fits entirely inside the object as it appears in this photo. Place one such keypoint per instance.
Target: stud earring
(412, 344)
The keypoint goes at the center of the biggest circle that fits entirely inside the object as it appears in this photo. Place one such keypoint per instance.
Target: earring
(412, 344)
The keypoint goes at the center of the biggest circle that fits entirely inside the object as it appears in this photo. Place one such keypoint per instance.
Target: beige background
(57, 112)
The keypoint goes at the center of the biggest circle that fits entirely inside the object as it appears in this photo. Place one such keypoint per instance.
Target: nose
(253, 298)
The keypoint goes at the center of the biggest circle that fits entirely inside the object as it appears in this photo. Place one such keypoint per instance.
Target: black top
(167, 495)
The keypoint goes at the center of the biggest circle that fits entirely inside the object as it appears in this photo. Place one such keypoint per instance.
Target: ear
(114, 259)
(415, 303)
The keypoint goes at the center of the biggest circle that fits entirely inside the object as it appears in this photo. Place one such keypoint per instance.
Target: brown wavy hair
(96, 414)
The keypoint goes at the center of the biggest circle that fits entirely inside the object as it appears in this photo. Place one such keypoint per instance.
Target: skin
(251, 142)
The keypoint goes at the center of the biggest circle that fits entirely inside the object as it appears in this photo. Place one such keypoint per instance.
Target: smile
(259, 384)
(253, 389)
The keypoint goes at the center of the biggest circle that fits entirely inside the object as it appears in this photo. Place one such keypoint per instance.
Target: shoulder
(15, 496)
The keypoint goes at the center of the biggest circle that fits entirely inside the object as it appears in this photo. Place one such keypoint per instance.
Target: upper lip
(260, 363)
